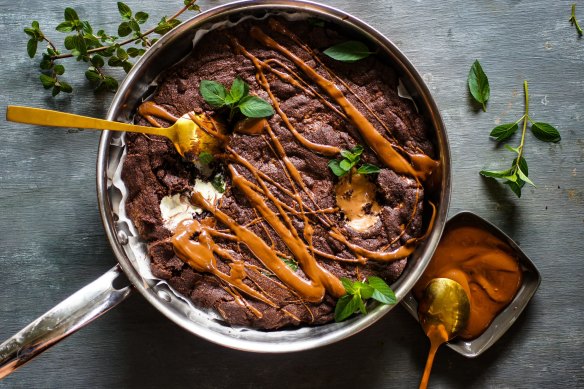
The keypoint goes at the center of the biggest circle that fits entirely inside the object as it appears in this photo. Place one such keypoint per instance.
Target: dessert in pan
(264, 221)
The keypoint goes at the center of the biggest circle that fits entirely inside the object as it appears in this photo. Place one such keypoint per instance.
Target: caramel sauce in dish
(294, 221)
(484, 265)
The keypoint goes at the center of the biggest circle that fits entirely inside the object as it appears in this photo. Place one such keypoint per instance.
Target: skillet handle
(70, 315)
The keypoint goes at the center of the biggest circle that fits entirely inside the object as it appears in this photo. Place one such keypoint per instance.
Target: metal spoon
(186, 135)
(443, 311)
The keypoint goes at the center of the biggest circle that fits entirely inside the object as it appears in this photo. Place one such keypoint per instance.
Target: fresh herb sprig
(237, 99)
(516, 176)
(573, 20)
(478, 84)
(350, 159)
(291, 263)
(97, 48)
(358, 292)
(350, 51)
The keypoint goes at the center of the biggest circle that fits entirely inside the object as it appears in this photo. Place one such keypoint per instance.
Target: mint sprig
(350, 159)
(358, 292)
(517, 175)
(237, 99)
(349, 51)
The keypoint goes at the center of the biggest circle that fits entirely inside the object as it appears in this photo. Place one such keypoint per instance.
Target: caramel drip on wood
(378, 143)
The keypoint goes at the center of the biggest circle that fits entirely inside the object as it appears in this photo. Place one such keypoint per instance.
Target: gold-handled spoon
(187, 133)
(443, 312)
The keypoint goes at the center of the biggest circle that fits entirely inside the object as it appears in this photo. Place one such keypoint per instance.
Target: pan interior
(129, 248)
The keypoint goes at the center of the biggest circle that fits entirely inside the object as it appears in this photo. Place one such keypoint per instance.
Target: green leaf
(213, 93)
(64, 27)
(349, 51)
(30, 32)
(478, 84)
(65, 87)
(125, 11)
(134, 25)
(495, 173)
(92, 76)
(357, 150)
(56, 90)
(69, 42)
(255, 107)
(515, 187)
(47, 81)
(86, 27)
(205, 157)
(110, 83)
(121, 54)
(71, 15)
(31, 47)
(127, 66)
(336, 168)
(192, 5)
(35, 25)
(382, 291)
(350, 156)
(218, 183)
(365, 291)
(239, 89)
(124, 29)
(368, 169)
(114, 61)
(59, 69)
(545, 132)
(346, 165)
(290, 263)
(522, 165)
(504, 131)
(97, 61)
(523, 177)
(134, 52)
(141, 17)
(348, 285)
(45, 64)
(512, 149)
(346, 306)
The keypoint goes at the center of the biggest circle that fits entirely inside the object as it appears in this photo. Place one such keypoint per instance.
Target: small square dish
(503, 321)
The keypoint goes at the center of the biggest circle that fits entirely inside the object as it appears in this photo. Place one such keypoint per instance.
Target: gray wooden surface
(52, 242)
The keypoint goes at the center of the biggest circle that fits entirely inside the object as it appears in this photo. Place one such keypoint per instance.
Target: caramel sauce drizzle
(148, 110)
(193, 241)
(377, 142)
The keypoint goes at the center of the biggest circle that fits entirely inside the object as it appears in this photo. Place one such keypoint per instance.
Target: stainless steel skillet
(112, 288)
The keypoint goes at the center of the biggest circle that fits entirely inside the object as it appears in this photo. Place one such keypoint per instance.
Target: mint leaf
(255, 107)
(346, 306)
(213, 93)
(239, 89)
(218, 183)
(346, 165)
(545, 132)
(382, 292)
(349, 51)
(478, 84)
(336, 168)
(358, 292)
(368, 169)
(504, 131)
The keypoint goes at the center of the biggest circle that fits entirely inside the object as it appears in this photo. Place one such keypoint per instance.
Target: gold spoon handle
(47, 117)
